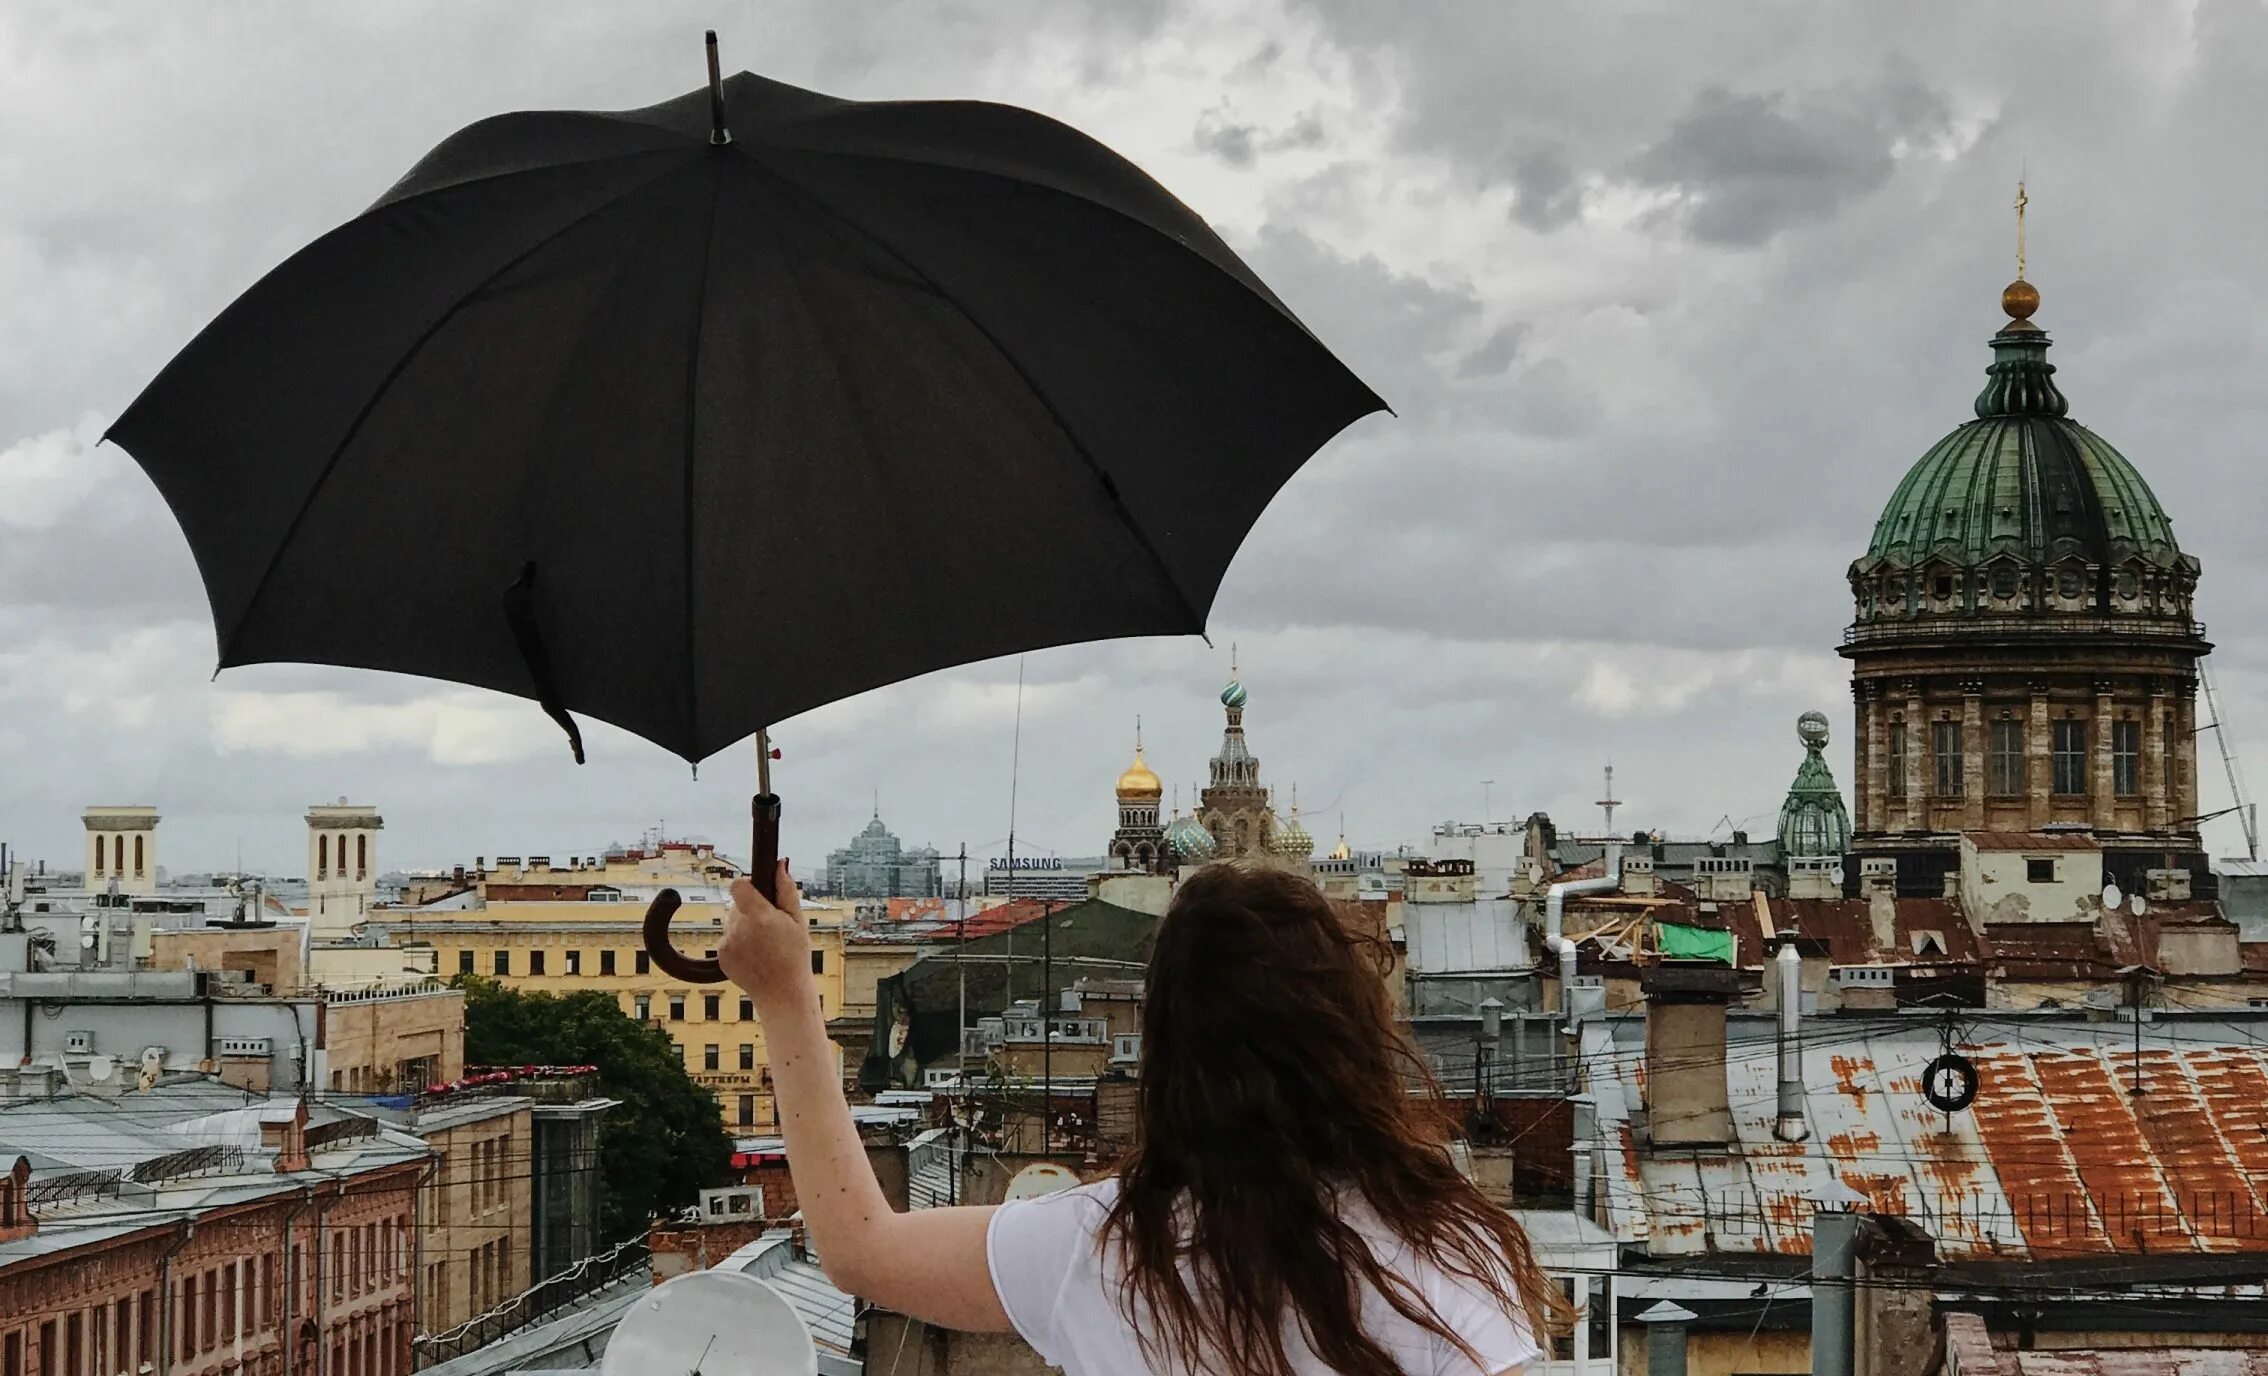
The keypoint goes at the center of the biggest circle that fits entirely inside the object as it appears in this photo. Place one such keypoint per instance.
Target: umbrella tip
(718, 134)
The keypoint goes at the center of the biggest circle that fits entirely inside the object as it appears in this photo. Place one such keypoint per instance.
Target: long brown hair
(1275, 1091)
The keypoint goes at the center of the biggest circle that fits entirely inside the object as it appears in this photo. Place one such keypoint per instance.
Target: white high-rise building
(342, 866)
(122, 849)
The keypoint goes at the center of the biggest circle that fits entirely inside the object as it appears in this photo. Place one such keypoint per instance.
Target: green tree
(666, 1140)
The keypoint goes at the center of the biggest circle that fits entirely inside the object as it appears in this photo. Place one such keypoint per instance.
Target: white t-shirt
(1061, 1292)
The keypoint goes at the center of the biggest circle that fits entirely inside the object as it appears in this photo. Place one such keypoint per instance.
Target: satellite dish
(1835, 876)
(713, 1323)
(1040, 1178)
(100, 1068)
(2112, 897)
(2138, 905)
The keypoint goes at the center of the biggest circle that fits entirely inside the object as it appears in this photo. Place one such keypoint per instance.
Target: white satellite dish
(2138, 905)
(711, 1323)
(1040, 1178)
(2112, 897)
(100, 1067)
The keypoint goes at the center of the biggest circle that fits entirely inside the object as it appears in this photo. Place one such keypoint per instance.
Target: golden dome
(2020, 299)
(1139, 781)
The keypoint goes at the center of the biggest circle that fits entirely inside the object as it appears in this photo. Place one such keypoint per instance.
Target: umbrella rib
(1062, 424)
(692, 415)
(378, 393)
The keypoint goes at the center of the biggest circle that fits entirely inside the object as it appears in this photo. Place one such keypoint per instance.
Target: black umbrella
(695, 417)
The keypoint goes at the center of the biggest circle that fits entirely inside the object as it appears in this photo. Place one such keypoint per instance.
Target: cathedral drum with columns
(2025, 651)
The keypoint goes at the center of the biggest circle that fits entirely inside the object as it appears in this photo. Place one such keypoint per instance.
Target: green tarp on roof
(1693, 943)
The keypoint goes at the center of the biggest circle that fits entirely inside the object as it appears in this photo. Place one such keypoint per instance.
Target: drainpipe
(167, 1338)
(1790, 1127)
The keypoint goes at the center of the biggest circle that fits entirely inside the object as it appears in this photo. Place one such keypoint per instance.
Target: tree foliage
(663, 1144)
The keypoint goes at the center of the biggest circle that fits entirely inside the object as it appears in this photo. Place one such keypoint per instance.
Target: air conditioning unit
(80, 1043)
(259, 1047)
(1126, 1047)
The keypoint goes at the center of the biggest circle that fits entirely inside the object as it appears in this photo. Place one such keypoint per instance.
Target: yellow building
(563, 929)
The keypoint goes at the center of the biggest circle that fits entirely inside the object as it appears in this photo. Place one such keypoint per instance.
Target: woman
(1288, 1210)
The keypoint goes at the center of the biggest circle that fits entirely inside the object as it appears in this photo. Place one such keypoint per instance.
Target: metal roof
(2056, 1157)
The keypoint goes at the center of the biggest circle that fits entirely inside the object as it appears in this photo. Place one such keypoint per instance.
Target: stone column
(1972, 755)
(1917, 759)
(2157, 799)
(2184, 788)
(2039, 758)
(1872, 748)
(2102, 802)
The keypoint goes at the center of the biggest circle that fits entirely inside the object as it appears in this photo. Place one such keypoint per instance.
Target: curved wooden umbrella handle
(763, 869)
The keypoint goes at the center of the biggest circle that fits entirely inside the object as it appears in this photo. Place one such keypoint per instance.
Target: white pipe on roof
(1790, 1127)
(1555, 910)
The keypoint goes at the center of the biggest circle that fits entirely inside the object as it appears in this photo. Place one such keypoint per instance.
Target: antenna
(1607, 801)
(2246, 815)
(711, 1323)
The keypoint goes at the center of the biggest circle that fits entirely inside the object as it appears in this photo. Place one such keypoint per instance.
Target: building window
(2004, 761)
(322, 857)
(361, 856)
(712, 1006)
(606, 962)
(2126, 757)
(503, 962)
(1600, 1320)
(748, 1055)
(643, 963)
(747, 1113)
(677, 1008)
(574, 962)
(642, 1006)
(464, 962)
(1945, 746)
(2039, 871)
(747, 1008)
(709, 1058)
(1897, 761)
(2071, 757)
(138, 855)
(818, 962)
(535, 962)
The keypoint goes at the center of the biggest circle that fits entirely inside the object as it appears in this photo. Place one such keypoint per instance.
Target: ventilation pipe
(1555, 898)
(1566, 953)
(1790, 1127)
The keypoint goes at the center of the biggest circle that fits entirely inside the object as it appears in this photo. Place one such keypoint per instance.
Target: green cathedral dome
(2023, 509)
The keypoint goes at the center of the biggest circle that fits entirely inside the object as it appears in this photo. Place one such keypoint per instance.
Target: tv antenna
(1607, 801)
(2247, 814)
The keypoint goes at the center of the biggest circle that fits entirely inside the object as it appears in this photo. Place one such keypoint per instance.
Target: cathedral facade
(2024, 650)
(1234, 816)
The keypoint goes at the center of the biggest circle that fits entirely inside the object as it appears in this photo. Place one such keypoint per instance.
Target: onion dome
(1187, 841)
(2022, 511)
(1291, 839)
(1812, 820)
(1139, 783)
(1233, 695)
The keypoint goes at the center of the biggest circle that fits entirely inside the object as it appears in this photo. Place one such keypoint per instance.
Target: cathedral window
(2129, 586)
(2126, 757)
(2004, 582)
(2068, 583)
(2004, 759)
(1945, 746)
(2071, 757)
(1897, 759)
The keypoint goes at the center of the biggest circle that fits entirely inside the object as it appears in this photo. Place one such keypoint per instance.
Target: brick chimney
(287, 1138)
(1685, 1052)
(16, 1219)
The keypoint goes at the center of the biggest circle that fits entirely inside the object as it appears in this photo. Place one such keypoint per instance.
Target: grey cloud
(1239, 144)
(1545, 192)
(1748, 166)
(1495, 353)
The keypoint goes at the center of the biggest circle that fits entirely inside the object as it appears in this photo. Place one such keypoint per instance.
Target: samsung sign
(1023, 865)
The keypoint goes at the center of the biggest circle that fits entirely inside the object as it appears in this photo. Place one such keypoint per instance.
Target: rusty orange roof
(2057, 1157)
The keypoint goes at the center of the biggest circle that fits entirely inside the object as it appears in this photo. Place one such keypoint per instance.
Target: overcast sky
(1667, 297)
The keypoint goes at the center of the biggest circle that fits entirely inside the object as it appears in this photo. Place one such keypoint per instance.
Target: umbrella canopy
(692, 430)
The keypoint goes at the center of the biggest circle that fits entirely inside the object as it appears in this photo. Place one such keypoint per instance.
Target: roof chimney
(1686, 1101)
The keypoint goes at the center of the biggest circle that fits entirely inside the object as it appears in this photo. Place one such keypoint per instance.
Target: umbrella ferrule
(718, 134)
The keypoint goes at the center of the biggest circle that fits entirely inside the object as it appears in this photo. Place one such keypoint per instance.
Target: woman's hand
(767, 947)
